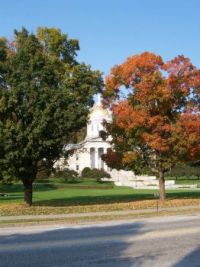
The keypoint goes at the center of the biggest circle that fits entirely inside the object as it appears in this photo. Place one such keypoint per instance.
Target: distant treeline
(185, 171)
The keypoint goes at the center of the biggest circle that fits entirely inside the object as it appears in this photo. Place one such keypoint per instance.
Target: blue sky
(111, 30)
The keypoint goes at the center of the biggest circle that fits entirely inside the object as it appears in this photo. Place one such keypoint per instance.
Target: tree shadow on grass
(183, 194)
(11, 188)
(18, 188)
(14, 192)
(111, 199)
(92, 200)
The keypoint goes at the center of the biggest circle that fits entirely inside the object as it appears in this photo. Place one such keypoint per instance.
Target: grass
(188, 181)
(185, 180)
(89, 196)
(88, 193)
(60, 195)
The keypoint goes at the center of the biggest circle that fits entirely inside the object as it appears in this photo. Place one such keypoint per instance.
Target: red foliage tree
(156, 119)
(113, 159)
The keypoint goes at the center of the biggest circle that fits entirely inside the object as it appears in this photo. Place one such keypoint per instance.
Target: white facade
(88, 153)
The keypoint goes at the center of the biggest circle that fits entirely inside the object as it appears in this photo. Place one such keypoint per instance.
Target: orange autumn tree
(156, 119)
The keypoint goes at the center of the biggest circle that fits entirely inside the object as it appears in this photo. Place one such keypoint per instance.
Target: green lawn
(88, 192)
(183, 180)
(188, 181)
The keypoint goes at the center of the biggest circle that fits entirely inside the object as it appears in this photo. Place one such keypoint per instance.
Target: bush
(86, 172)
(94, 173)
(66, 174)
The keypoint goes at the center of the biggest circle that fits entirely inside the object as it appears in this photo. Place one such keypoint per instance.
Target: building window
(76, 156)
(77, 167)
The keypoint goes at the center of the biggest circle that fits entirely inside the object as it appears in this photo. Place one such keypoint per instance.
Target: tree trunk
(28, 192)
(162, 185)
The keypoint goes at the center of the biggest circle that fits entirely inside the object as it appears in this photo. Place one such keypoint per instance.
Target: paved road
(168, 241)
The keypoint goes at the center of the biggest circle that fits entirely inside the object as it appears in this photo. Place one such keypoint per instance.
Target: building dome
(97, 116)
(99, 113)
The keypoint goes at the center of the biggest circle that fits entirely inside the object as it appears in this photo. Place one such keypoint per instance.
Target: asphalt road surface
(167, 241)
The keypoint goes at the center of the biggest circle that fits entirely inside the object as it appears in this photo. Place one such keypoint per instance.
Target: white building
(88, 152)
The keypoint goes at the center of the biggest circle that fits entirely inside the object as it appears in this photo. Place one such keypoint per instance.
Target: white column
(101, 163)
(92, 157)
(96, 158)
(106, 168)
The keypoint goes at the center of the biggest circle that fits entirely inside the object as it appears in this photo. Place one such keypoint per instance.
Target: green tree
(45, 95)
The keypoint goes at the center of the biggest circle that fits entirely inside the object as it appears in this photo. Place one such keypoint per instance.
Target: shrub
(94, 173)
(66, 174)
(86, 172)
